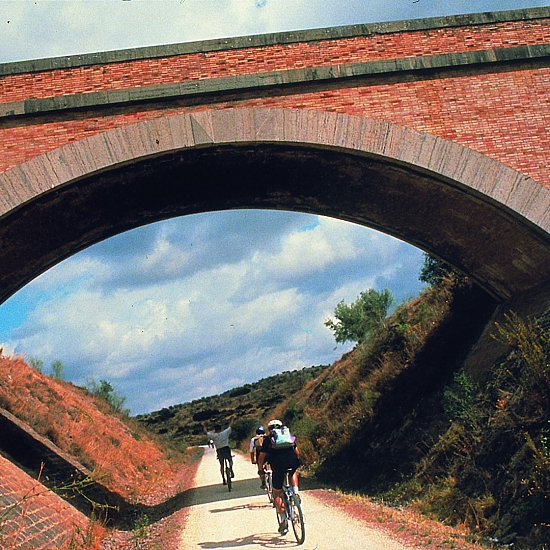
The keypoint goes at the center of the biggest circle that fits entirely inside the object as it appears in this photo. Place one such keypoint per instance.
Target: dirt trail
(244, 519)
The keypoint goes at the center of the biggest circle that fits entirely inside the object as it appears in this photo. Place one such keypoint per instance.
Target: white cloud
(322, 245)
(33, 29)
(247, 314)
(263, 313)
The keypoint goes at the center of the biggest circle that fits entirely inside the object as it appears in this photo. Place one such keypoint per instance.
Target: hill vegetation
(251, 404)
(398, 418)
(118, 451)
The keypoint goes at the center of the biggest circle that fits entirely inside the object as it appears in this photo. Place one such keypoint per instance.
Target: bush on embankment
(399, 418)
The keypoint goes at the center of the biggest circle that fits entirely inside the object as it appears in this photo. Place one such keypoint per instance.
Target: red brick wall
(504, 114)
(34, 518)
(214, 64)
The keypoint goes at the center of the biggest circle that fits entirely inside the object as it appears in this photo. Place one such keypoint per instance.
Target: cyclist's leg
(219, 454)
(278, 475)
(294, 482)
(228, 473)
(225, 454)
(261, 472)
(277, 496)
(222, 469)
(231, 464)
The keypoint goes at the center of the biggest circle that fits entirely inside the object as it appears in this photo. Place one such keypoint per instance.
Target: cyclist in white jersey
(221, 443)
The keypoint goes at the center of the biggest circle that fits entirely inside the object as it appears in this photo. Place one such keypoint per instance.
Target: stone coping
(258, 81)
(261, 40)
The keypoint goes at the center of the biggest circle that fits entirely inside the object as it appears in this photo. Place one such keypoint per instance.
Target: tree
(37, 364)
(104, 390)
(434, 270)
(361, 318)
(57, 370)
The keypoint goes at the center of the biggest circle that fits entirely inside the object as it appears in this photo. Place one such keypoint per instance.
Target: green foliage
(305, 426)
(37, 364)
(57, 370)
(105, 391)
(370, 397)
(491, 469)
(331, 385)
(434, 270)
(531, 341)
(141, 525)
(361, 318)
(242, 390)
(291, 412)
(242, 428)
(459, 400)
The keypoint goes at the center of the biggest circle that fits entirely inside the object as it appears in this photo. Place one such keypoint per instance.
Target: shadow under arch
(478, 215)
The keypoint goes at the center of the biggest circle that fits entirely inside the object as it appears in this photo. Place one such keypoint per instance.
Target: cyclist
(255, 445)
(280, 460)
(221, 443)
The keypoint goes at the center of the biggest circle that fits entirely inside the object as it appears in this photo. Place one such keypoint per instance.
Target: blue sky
(196, 305)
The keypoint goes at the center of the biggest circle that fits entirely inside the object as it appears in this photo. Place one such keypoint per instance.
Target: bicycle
(269, 484)
(228, 472)
(293, 509)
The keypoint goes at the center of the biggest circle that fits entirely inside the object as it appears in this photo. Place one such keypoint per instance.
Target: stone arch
(475, 213)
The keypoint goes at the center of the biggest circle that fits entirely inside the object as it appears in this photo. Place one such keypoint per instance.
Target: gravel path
(244, 519)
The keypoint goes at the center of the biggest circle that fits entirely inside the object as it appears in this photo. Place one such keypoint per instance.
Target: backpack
(281, 438)
(258, 441)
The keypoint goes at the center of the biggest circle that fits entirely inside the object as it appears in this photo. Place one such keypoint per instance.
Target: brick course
(204, 65)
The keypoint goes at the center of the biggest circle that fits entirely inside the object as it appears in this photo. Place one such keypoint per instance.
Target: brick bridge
(436, 131)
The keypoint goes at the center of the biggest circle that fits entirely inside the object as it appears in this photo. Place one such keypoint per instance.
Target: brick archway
(479, 215)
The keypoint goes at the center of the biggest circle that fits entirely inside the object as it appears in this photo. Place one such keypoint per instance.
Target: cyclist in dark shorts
(280, 460)
(221, 443)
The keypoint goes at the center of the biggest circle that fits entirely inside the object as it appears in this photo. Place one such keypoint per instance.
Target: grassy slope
(117, 450)
(397, 418)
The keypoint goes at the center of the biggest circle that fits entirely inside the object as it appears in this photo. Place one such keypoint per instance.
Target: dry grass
(405, 525)
(119, 453)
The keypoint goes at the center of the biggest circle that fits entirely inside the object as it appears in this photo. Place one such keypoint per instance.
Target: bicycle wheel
(296, 517)
(228, 474)
(269, 486)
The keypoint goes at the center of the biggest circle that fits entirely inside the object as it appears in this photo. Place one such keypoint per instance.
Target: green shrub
(242, 429)
(305, 426)
(459, 400)
(362, 318)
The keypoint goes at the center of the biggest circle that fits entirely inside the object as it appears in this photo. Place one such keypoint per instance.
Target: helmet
(274, 424)
(260, 430)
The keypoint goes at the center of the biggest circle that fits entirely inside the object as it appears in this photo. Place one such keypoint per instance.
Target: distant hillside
(251, 404)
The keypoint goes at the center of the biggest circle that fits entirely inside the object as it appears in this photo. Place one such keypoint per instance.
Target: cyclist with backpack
(255, 446)
(280, 450)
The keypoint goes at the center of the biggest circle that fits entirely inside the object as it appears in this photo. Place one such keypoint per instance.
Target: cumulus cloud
(185, 321)
(48, 28)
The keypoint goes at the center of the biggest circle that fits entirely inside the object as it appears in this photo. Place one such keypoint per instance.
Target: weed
(141, 525)
(459, 400)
